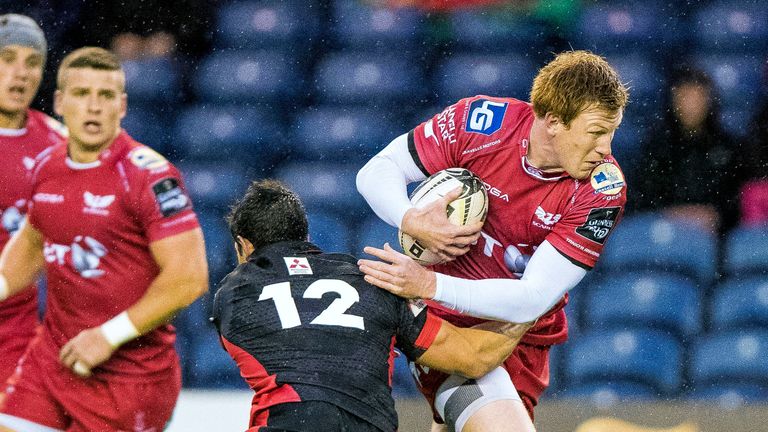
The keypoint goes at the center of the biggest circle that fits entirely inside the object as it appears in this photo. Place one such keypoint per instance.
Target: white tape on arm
(119, 330)
(3, 288)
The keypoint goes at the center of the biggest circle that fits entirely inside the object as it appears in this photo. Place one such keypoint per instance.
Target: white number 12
(334, 314)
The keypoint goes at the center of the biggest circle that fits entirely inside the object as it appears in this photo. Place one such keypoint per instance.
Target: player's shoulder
(48, 123)
(606, 183)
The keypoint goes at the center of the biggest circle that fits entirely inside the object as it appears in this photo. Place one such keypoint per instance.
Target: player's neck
(83, 153)
(541, 151)
(15, 120)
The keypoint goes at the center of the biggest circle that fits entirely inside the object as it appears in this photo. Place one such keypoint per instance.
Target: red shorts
(528, 366)
(45, 392)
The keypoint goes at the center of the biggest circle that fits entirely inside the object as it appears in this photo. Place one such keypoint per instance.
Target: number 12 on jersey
(333, 315)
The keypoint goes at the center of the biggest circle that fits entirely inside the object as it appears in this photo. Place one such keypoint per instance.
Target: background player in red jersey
(313, 339)
(113, 227)
(555, 195)
(24, 133)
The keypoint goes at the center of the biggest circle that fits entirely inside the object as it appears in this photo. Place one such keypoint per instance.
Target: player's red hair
(574, 81)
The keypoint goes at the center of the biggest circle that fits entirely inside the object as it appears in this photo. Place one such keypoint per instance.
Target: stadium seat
(735, 356)
(731, 26)
(368, 78)
(730, 396)
(740, 302)
(152, 80)
(251, 135)
(642, 74)
(648, 241)
(326, 133)
(249, 77)
(329, 232)
(212, 366)
(292, 24)
(666, 302)
(483, 31)
(402, 380)
(148, 126)
(214, 185)
(643, 356)
(465, 75)
(324, 186)
(219, 248)
(374, 232)
(746, 251)
(737, 77)
(623, 26)
(610, 393)
(360, 25)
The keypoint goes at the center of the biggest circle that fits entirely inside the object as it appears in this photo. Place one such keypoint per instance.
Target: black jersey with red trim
(304, 325)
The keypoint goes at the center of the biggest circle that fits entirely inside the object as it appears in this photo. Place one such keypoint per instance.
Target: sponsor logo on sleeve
(170, 197)
(548, 219)
(485, 116)
(416, 306)
(147, 159)
(607, 179)
(599, 224)
(297, 266)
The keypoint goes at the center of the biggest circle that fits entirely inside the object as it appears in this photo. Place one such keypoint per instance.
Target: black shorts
(314, 416)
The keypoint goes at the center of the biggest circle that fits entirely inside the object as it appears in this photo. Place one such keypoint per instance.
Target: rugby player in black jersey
(314, 340)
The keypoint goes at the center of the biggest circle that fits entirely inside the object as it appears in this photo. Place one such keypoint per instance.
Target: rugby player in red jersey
(112, 225)
(24, 133)
(555, 192)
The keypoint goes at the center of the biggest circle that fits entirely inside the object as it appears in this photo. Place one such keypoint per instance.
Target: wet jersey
(305, 326)
(98, 220)
(490, 136)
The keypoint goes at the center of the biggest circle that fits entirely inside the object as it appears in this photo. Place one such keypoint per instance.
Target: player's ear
(57, 95)
(244, 249)
(554, 123)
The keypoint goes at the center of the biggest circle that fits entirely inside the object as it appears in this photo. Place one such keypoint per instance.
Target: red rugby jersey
(490, 136)
(18, 148)
(98, 220)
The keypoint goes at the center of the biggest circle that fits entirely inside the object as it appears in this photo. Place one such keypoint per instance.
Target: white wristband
(3, 288)
(119, 330)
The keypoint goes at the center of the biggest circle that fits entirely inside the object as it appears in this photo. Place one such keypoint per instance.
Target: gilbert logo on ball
(470, 207)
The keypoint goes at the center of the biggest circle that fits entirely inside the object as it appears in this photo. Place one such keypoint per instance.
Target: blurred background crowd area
(306, 91)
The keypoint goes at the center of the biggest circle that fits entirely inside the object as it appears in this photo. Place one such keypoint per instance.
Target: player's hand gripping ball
(469, 208)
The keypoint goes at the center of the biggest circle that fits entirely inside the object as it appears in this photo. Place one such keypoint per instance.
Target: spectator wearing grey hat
(24, 133)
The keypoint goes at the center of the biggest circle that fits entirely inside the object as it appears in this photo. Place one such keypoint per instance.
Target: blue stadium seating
(342, 133)
(465, 75)
(329, 232)
(293, 24)
(249, 77)
(402, 380)
(639, 300)
(730, 357)
(648, 241)
(250, 135)
(642, 74)
(211, 366)
(219, 248)
(368, 78)
(214, 185)
(648, 357)
(483, 31)
(150, 127)
(324, 186)
(732, 26)
(740, 302)
(366, 26)
(152, 80)
(624, 26)
(746, 251)
(374, 232)
(605, 394)
(737, 77)
(730, 396)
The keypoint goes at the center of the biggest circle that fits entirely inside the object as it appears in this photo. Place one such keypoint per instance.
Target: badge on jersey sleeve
(607, 179)
(485, 117)
(599, 224)
(170, 197)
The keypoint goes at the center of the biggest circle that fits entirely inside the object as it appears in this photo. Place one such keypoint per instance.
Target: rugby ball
(470, 207)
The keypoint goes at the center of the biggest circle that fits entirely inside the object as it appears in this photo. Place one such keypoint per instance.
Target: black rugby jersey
(304, 325)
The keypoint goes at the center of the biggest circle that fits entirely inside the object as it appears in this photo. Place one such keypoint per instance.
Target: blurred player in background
(114, 229)
(555, 195)
(313, 339)
(24, 133)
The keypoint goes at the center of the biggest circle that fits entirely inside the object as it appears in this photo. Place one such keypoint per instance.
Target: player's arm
(472, 352)
(548, 276)
(183, 277)
(21, 260)
(383, 183)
